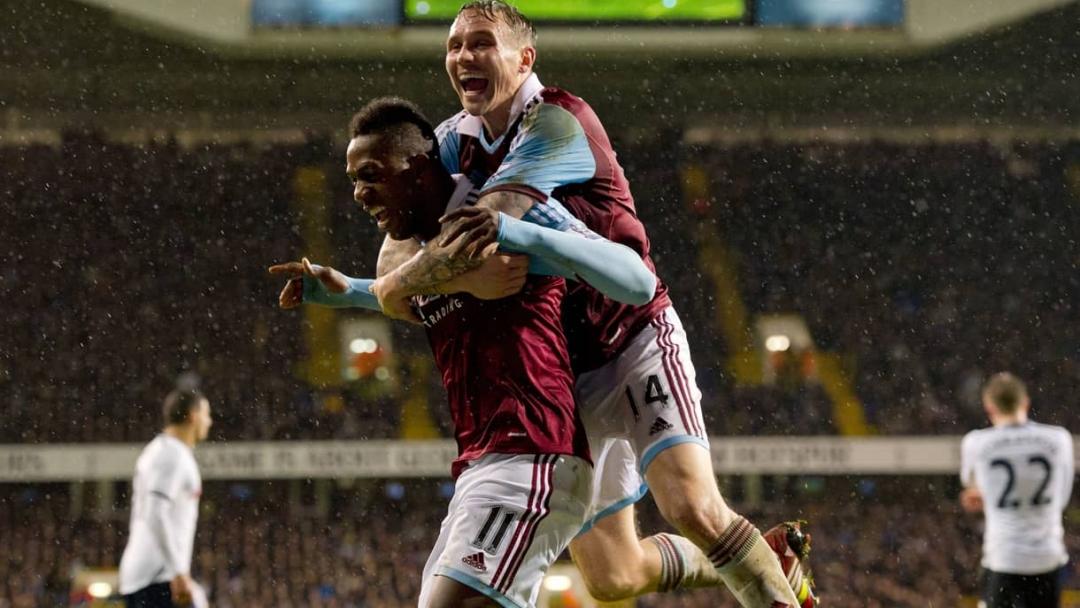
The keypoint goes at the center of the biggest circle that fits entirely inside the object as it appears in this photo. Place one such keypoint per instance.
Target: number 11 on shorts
(491, 535)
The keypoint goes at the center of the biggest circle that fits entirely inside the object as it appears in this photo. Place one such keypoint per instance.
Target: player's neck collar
(1013, 422)
(464, 194)
(462, 190)
(173, 437)
(528, 89)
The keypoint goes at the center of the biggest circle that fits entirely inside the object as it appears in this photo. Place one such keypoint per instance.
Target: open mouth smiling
(473, 84)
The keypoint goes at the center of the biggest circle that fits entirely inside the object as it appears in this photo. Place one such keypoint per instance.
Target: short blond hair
(1005, 391)
(496, 10)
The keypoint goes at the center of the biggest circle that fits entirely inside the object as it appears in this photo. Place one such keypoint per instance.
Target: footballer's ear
(421, 161)
(528, 59)
(417, 159)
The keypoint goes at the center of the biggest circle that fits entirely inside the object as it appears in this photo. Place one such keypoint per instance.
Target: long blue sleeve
(612, 269)
(540, 266)
(356, 296)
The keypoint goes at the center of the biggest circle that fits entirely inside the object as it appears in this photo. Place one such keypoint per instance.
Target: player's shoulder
(554, 97)
(450, 125)
(559, 111)
(547, 119)
(973, 437)
(1059, 432)
(156, 453)
(973, 442)
(553, 101)
(1054, 428)
(160, 443)
(169, 452)
(557, 117)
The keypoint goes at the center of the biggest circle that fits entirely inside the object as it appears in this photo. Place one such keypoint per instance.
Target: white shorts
(511, 516)
(636, 406)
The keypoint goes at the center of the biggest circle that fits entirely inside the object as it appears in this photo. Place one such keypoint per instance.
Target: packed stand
(927, 267)
(878, 542)
(931, 266)
(135, 265)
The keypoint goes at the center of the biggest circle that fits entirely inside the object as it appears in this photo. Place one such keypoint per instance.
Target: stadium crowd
(930, 266)
(132, 264)
(256, 547)
(927, 266)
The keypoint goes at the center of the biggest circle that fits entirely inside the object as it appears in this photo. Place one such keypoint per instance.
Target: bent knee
(698, 519)
(611, 586)
(611, 572)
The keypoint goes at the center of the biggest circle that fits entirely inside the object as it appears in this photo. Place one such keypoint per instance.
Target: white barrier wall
(281, 460)
(329, 459)
(836, 455)
(235, 460)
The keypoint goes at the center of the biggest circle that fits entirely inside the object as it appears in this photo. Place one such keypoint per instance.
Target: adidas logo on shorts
(476, 561)
(659, 426)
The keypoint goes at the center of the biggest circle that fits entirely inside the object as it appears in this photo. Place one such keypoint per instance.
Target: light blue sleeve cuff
(358, 295)
(614, 270)
(511, 238)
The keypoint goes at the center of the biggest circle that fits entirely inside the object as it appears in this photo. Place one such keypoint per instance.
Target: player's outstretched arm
(574, 252)
(497, 277)
(322, 285)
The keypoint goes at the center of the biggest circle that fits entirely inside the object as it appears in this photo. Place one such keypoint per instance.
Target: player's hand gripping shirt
(505, 367)
(1025, 474)
(557, 149)
(164, 511)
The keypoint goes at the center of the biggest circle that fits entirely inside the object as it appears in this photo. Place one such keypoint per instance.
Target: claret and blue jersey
(557, 153)
(505, 368)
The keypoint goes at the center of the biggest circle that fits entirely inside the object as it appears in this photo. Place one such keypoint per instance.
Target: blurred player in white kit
(1019, 473)
(155, 569)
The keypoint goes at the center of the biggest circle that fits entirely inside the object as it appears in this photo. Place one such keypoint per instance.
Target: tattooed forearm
(511, 203)
(432, 269)
(426, 273)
